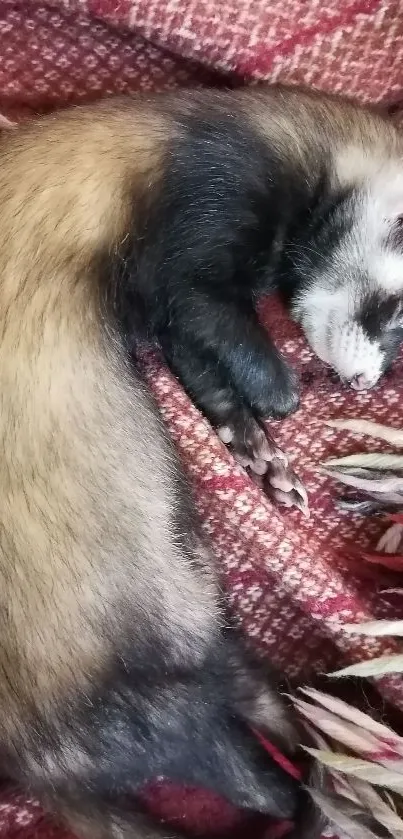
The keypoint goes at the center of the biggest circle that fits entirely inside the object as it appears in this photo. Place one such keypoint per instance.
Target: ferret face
(352, 307)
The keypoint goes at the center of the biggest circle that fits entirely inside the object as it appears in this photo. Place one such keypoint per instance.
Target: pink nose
(360, 382)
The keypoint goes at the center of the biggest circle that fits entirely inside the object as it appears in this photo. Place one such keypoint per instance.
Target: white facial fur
(362, 263)
(337, 339)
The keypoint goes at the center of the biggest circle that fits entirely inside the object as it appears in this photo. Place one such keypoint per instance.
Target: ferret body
(167, 215)
(116, 663)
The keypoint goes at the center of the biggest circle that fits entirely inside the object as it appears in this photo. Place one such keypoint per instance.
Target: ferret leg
(196, 737)
(229, 334)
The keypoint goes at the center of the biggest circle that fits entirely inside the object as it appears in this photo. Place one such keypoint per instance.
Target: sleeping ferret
(169, 215)
(118, 664)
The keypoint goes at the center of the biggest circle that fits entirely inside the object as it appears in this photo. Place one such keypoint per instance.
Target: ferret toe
(285, 488)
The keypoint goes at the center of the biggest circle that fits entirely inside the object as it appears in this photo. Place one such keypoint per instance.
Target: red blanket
(289, 580)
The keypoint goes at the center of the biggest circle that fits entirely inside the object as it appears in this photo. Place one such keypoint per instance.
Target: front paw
(254, 448)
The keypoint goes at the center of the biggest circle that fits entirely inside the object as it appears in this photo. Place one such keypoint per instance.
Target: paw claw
(280, 477)
(301, 502)
(285, 487)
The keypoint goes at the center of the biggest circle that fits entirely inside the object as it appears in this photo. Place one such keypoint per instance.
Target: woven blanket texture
(287, 578)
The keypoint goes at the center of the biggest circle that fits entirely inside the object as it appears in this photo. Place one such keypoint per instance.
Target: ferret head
(350, 300)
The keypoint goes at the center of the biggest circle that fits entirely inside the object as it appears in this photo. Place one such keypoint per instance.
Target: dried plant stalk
(394, 436)
(376, 629)
(362, 757)
(368, 460)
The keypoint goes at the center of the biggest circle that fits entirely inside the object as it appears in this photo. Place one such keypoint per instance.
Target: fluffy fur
(116, 663)
(164, 217)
